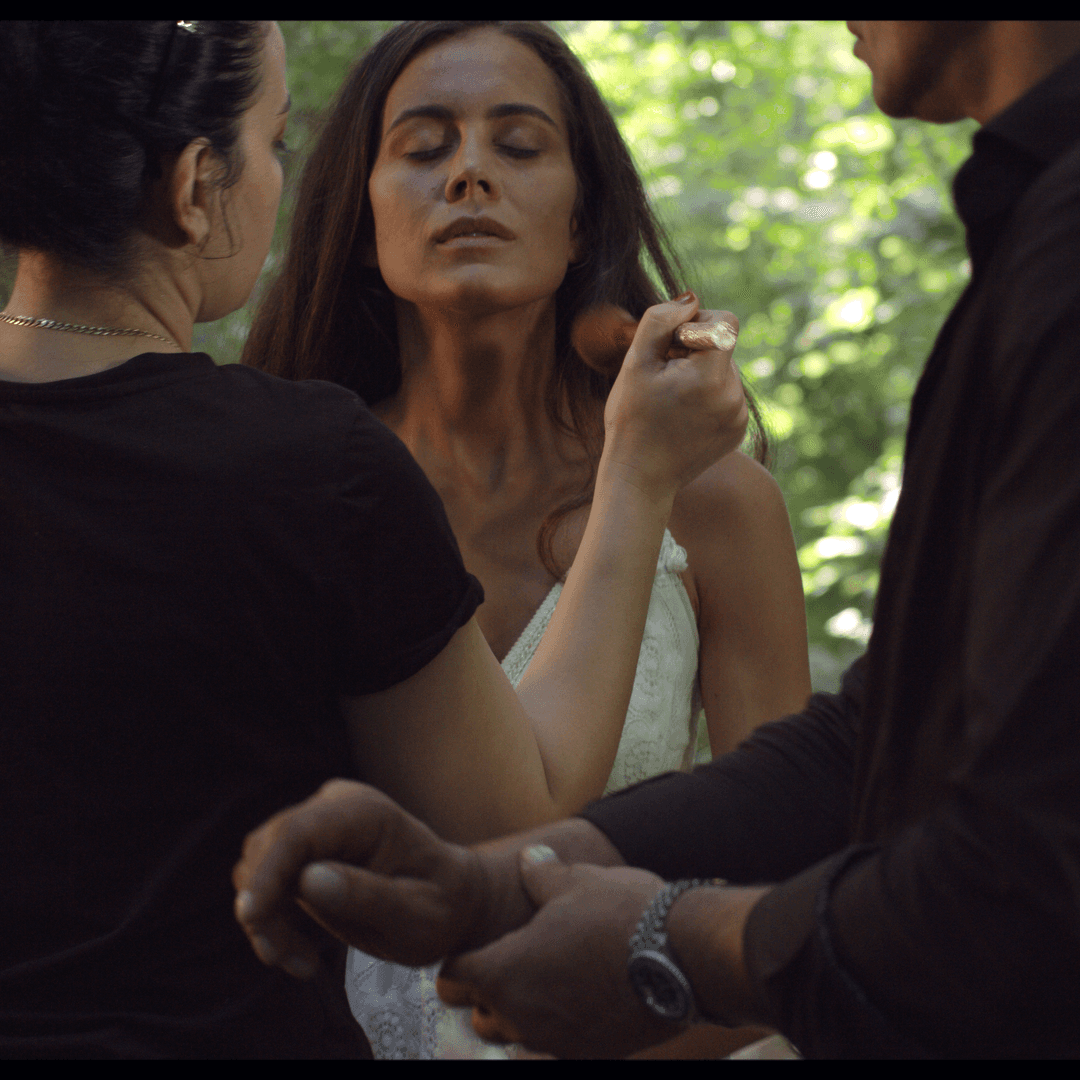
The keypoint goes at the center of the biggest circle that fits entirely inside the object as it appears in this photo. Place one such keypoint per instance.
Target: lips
(467, 226)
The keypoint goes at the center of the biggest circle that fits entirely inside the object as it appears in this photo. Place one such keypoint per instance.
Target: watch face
(661, 985)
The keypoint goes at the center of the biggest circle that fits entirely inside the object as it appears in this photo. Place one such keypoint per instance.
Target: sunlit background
(825, 226)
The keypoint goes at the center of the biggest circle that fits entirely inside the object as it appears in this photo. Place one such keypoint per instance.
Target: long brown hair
(328, 316)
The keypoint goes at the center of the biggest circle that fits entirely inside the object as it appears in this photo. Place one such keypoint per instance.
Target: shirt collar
(1010, 151)
(1045, 122)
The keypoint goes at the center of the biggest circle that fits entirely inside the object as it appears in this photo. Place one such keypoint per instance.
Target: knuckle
(653, 316)
(247, 848)
(334, 788)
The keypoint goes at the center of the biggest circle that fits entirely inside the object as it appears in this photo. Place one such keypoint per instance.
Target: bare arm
(454, 744)
(753, 660)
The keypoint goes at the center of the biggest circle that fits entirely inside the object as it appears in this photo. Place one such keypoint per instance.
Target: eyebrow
(497, 112)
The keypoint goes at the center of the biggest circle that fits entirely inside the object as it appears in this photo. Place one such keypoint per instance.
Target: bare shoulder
(744, 582)
(734, 508)
(743, 573)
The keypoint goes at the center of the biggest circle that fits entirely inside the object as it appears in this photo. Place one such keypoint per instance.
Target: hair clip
(190, 27)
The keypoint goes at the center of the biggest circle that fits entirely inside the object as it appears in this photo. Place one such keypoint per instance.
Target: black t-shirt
(195, 562)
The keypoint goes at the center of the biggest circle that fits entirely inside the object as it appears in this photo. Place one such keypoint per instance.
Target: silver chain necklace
(100, 331)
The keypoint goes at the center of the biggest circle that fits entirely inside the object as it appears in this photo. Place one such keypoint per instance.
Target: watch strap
(650, 936)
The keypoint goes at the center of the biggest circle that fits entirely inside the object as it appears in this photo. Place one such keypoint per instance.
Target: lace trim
(671, 560)
(398, 1006)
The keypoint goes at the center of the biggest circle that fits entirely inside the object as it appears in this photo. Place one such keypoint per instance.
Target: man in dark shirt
(924, 823)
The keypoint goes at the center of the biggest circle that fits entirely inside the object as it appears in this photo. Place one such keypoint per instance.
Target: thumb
(543, 874)
(658, 324)
(326, 888)
(383, 916)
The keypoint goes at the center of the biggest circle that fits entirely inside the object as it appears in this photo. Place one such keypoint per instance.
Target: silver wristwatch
(654, 972)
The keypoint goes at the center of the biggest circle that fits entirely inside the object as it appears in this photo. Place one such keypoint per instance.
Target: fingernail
(538, 853)
(298, 967)
(267, 953)
(245, 902)
(324, 883)
(687, 297)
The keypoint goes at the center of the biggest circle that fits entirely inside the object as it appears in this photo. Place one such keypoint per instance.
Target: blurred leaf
(828, 229)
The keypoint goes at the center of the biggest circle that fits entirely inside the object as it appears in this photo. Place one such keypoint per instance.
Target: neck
(47, 289)
(472, 392)
(1007, 60)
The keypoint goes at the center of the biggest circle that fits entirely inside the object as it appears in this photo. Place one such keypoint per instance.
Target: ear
(192, 191)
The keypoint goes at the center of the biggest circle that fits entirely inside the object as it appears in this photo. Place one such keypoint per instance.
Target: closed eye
(518, 152)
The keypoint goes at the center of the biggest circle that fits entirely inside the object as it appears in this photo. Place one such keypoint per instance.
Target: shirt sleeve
(403, 590)
(767, 810)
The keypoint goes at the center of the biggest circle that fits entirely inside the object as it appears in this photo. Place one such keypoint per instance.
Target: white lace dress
(397, 1006)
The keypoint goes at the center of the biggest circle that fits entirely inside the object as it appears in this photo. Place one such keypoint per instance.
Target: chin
(478, 303)
(917, 68)
(890, 93)
(911, 106)
(893, 105)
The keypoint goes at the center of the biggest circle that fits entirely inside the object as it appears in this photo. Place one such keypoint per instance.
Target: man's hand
(408, 896)
(559, 984)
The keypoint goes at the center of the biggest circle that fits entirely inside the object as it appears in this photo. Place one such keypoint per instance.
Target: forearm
(578, 686)
(665, 422)
(705, 931)
(504, 905)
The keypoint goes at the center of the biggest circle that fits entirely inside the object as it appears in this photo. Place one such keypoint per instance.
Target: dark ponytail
(91, 111)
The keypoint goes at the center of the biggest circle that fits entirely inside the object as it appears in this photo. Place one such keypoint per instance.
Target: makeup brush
(602, 334)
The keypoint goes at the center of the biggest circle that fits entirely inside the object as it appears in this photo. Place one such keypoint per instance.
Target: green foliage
(825, 226)
(828, 229)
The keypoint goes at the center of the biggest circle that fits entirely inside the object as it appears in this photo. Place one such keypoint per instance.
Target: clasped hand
(559, 983)
(382, 881)
(372, 874)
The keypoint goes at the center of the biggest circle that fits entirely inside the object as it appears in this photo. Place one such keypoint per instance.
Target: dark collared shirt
(925, 821)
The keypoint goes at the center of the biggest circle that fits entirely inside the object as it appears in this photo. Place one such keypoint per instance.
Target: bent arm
(454, 744)
(423, 898)
(959, 931)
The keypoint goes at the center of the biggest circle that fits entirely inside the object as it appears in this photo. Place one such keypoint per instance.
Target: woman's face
(251, 204)
(473, 190)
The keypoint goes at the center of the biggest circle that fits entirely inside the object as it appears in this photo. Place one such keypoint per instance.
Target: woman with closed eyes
(469, 198)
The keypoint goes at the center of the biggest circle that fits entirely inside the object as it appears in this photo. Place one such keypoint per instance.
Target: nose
(471, 172)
